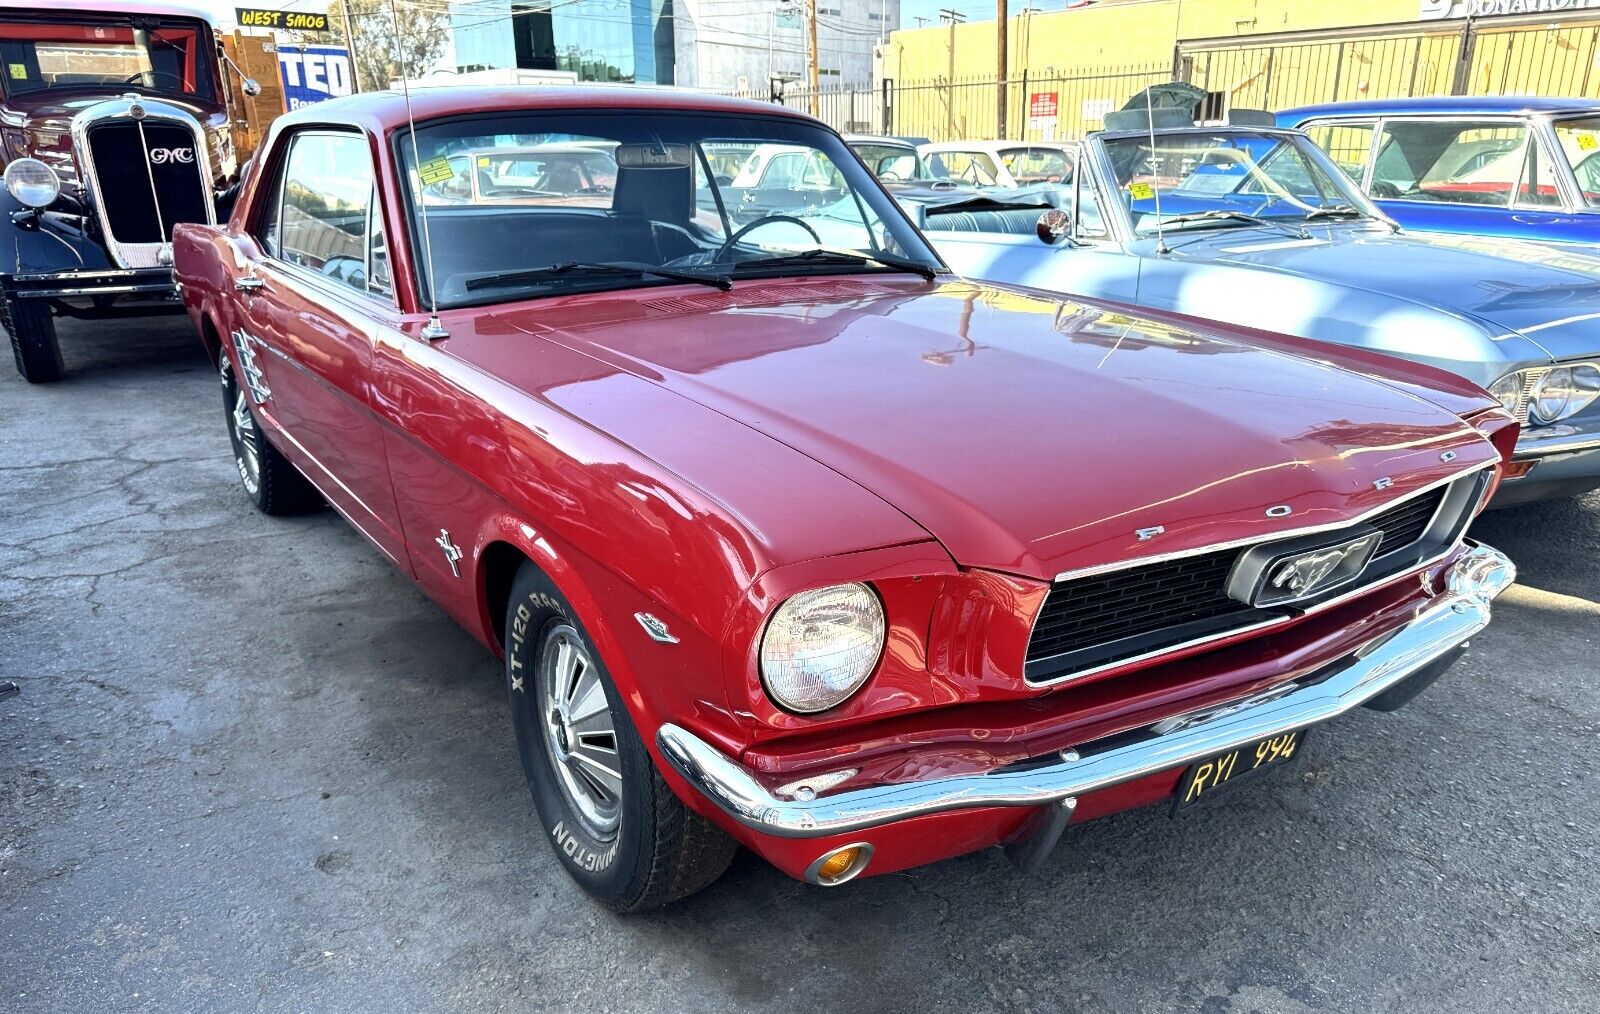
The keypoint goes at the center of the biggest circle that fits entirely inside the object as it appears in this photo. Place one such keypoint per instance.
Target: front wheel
(614, 823)
(33, 339)
(271, 481)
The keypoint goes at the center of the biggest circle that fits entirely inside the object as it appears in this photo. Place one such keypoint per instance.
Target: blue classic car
(1518, 167)
(1257, 227)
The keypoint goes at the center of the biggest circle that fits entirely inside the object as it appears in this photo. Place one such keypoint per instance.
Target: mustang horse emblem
(1304, 574)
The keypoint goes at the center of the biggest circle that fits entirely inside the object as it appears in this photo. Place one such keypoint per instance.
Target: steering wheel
(136, 78)
(889, 176)
(728, 244)
(1384, 189)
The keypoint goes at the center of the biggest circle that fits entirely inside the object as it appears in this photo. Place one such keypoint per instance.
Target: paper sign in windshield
(1141, 191)
(435, 170)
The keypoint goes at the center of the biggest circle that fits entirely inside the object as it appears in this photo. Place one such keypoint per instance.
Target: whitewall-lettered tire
(614, 824)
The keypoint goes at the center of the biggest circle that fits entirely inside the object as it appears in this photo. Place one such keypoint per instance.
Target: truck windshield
(42, 55)
(541, 203)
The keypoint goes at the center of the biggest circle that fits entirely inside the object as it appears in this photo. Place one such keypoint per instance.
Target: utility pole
(350, 44)
(1002, 31)
(812, 74)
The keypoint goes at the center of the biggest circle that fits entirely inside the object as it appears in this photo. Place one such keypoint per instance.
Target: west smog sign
(296, 21)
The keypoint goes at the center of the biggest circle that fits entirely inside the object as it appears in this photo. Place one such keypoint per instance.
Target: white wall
(729, 44)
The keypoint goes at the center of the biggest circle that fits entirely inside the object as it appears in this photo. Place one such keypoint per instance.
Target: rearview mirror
(251, 87)
(1053, 226)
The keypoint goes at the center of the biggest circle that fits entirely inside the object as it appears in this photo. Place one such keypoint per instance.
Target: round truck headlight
(32, 182)
(820, 646)
(1552, 396)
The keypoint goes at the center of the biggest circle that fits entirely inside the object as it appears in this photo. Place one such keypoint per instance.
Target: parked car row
(1257, 227)
(792, 538)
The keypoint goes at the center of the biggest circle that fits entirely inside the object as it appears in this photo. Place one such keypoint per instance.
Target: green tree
(384, 51)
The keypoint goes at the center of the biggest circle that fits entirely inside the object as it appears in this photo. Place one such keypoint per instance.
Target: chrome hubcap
(244, 427)
(580, 735)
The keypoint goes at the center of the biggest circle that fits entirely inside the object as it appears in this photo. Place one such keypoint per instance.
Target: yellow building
(1258, 53)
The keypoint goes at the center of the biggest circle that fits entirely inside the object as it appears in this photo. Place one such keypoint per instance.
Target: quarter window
(1538, 187)
(1348, 144)
(325, 219)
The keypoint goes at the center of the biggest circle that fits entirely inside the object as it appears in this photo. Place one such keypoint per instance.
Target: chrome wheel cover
(579, 733)
(249, 440)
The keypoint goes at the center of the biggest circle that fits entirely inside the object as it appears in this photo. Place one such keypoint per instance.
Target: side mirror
(251, 87)
(1053, 226)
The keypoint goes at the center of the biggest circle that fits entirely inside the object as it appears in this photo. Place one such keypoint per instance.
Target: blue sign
(314, 73)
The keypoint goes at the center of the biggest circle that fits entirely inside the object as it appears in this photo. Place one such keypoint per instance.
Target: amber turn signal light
(1517, 469)
(834, 868)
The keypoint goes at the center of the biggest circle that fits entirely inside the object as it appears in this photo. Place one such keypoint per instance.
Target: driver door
(315, 291)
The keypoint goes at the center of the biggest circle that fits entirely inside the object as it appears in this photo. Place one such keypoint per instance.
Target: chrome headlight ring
(32, 183)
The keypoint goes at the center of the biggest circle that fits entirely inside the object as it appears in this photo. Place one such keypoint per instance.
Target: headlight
(820, 646)
(32, 182)
(1551, 396)
(1585, 387)
(1508, 391)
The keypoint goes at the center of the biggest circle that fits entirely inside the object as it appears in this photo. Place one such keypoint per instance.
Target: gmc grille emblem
(161, 156)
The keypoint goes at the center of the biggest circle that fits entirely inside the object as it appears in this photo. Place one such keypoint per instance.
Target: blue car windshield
(1225, 179)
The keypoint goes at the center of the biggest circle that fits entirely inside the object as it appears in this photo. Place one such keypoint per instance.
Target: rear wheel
(33, 339)
(615, 825)
(271, 481)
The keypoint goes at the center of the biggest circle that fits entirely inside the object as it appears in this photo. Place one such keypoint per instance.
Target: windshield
(1037, 165)
(1217, 180)
(544, 203)
(43, 55)
(1580, 143)
(893, 163)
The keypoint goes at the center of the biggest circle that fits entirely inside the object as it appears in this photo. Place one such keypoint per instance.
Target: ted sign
(313, 73)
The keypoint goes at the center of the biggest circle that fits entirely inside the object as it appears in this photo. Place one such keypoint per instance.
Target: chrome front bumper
(1439, 628)
(1537, 443)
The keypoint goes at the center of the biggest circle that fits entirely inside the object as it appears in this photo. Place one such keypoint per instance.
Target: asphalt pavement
(251, 767)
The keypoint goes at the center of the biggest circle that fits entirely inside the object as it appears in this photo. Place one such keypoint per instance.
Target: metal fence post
(1463, 77)
(888, 105)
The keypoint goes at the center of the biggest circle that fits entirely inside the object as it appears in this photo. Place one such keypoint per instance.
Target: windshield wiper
(1219, 214)
(523, 277)
(1335, 211)
(823, 255)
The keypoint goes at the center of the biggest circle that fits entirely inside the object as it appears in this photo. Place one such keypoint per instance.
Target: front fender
(46, 242)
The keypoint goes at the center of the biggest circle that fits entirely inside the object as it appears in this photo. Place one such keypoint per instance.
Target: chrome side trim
(1558, 438)
(1450, 618)
(1288, 533)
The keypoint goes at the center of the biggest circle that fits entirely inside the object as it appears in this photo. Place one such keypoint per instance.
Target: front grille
(1133, 603)
(1092, 622)
(149, 178)
(1403, 524)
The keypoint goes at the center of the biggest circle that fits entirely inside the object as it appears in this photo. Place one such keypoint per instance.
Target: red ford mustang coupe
(789, 538)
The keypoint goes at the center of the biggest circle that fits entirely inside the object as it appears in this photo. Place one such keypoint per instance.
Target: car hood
(1549, 296)
(1028, 434)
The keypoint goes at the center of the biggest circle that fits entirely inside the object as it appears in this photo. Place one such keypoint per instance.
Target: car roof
(1445, 104)
(892, 142)
(122, 8)
(1179, 131)
(384, 111)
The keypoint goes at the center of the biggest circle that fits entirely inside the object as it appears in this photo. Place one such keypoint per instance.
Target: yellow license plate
(1209, 777)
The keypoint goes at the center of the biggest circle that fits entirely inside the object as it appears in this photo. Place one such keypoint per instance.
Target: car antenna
(433, 330)
(1155, 187)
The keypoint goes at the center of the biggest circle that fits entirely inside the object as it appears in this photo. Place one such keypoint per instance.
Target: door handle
(246, 283)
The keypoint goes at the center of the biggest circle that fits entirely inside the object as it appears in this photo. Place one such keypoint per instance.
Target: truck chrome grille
(1101, 620)
(148, 176)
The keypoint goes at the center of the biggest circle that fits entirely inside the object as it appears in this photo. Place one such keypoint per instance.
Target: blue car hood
(1548, 295)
